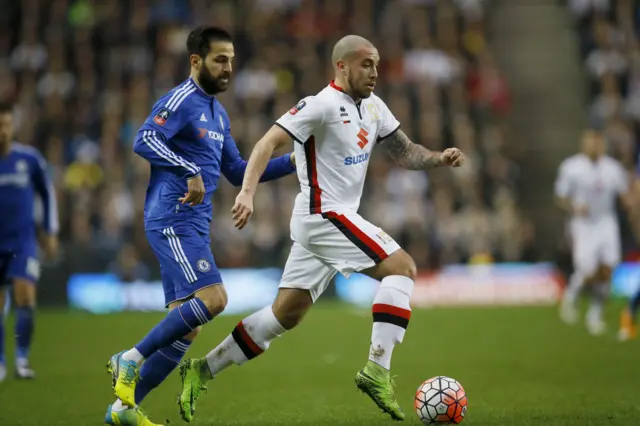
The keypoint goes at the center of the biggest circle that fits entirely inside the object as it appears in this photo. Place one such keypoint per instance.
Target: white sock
(576, 282)
(133, 355)
(118, 406)
(600, 292)
(391, 313)
(251, 337)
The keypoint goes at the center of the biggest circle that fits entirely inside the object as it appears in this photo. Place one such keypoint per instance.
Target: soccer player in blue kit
(187, 141)
(23, 177)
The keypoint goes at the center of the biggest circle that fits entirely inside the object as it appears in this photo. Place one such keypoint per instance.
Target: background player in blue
(23, 177)
(188, 142)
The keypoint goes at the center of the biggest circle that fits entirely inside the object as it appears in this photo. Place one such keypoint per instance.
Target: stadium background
(84, 74)
(510, 82)
(511, 92)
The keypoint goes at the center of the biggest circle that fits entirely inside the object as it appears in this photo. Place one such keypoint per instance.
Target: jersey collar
(335, 86)
(199, 89)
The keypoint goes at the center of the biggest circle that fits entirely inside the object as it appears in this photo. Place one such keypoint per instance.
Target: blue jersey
(23, 177)
(187, 134)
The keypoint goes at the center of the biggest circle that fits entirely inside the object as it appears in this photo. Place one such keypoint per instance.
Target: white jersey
(596, 184)
(335, 137)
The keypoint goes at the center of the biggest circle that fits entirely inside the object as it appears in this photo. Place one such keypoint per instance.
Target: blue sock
(634, 304)
(177, 324)
(24, 330)
(159, 366)
(1, 337)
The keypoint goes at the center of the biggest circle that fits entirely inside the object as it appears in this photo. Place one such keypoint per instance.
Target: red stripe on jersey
(381, 308)
(366, 241)
(315, 193)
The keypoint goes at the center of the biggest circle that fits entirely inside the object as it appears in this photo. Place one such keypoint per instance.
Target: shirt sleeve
(622, 180)
(152, 140)
(389, 124)
(44, 187)
(563, 185)
(233, 165)
(303, 119)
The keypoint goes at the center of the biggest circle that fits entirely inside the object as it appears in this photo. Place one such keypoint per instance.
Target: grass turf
(519, 366)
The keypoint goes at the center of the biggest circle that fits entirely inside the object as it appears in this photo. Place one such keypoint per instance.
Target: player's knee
(216, 305)
(402, 264)
(604, 274)
(24, 294)
(214, 298)
(289, 318)
(290, 307)
(191, 336)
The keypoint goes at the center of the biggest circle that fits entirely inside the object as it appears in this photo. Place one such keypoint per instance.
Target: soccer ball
(441, 399)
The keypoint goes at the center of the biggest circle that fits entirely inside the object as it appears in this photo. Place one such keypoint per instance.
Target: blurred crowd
(84, 74)
(610, 44)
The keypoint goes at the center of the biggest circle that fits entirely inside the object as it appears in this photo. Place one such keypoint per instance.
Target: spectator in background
(128, 267)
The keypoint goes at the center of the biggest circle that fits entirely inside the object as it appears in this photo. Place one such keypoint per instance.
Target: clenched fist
(452, 157)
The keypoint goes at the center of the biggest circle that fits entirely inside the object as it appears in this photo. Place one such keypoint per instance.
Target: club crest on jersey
(203, 265)
(297, 108)
(22, 166)
(162, 116)
(373, 111)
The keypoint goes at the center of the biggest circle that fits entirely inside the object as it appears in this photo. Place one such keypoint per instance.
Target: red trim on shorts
(357, 236)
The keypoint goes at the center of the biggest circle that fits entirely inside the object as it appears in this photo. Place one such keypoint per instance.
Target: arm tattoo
(406, 154)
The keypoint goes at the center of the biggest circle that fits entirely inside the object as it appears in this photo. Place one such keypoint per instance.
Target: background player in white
(587, 187)
(335, 132)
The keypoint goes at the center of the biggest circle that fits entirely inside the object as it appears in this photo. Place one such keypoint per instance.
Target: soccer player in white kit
(587, 187)
(334, 133)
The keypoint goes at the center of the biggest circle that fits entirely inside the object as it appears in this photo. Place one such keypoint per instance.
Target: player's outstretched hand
(452, 157)
(242, 209)
(196, 192)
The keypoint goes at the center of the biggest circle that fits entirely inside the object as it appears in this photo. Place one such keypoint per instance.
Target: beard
(210, 84)
(359, 93)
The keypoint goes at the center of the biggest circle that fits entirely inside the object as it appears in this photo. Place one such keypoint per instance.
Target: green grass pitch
(519, 366)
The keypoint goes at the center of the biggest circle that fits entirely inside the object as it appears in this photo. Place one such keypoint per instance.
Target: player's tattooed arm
(406, 154)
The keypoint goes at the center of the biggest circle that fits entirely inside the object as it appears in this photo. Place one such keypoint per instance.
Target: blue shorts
(23, 264)
(186, 261)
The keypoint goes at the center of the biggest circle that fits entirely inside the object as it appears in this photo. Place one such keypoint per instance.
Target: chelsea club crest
(203, 265)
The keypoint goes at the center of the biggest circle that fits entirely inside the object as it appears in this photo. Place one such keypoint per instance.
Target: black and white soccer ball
(441, 399)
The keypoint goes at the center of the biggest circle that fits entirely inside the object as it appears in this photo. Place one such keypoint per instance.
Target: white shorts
(327, 243)
(595, 244)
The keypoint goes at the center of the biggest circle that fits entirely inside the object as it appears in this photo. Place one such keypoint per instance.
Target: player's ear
(195, 61)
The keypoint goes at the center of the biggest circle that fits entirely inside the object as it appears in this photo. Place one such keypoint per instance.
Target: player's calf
(391, 309)
(248, 340)
(25, 298)
(391, 313)
(184, 319)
